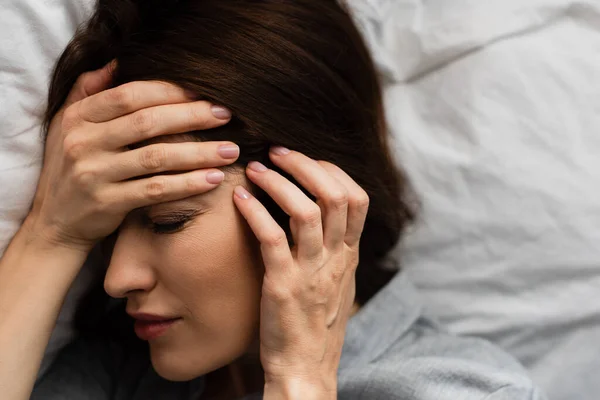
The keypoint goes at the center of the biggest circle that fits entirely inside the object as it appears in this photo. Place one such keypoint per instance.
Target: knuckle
(121, 97)
(168, 89)
(85, 174)
(337, 275)
(197, 116)
(153, 158)
(200, 156)
(281, 294)
(100, 204)
(74, 147)
(362, 201)
(156, 188)
(193, 185)
(338, 199)
(318, 292)
(142, 122)
(298, 292)
(275, 239)
(311, 216)
(324, 163)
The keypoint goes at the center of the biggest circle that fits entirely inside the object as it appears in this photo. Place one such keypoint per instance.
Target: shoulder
(429, 363)
(393, 351)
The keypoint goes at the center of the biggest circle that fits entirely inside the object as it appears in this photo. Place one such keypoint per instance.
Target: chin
(174, 374)
(182, 366)
(177, 367)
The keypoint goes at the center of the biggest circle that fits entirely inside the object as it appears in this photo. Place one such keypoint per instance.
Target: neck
(243, 376)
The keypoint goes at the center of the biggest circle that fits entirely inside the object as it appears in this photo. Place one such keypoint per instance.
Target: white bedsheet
(494, 107)
(33, 34)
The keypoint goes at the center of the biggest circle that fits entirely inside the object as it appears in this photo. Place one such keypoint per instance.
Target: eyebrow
(194, 203)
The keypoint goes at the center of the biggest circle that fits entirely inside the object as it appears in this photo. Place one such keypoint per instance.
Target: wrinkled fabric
(493, 106)
(33, 34)
(391, 351)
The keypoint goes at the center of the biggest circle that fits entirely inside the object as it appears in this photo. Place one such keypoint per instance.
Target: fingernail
(229, 151)
(280, 151)
(221, 112)
(215, 177)
(242, 193)
(256, 166)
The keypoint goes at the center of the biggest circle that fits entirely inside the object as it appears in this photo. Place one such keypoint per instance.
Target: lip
(149, 326)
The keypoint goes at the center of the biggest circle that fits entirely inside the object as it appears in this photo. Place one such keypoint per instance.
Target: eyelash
(171, 223)
(171, 227)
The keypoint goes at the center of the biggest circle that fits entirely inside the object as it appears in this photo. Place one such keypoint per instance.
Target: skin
(83, 195)
(208, 273)
(86, 192)
(184, 272)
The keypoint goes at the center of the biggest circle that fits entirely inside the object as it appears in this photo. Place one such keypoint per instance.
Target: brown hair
(295, 73)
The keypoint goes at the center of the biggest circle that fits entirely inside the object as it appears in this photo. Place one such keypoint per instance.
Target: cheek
(212, 273)
(214, 270)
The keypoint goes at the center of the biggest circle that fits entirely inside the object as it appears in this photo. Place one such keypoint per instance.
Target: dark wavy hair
(295, 73)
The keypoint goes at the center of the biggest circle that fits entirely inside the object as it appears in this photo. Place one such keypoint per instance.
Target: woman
(236, 258)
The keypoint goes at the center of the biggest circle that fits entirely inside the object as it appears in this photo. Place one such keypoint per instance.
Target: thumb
(90, 83)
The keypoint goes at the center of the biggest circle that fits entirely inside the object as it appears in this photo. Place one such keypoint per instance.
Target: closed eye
(170, 227)
(169, 222)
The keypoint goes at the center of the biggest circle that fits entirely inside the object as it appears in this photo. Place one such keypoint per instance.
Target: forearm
(34, 280)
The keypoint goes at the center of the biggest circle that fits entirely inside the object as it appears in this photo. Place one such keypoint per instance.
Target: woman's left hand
(308, 291)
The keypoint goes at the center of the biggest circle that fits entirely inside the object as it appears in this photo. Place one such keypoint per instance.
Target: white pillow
(33, 34)
(495, 108)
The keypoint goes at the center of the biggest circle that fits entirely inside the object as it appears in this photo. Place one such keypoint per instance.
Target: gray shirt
(391, 351)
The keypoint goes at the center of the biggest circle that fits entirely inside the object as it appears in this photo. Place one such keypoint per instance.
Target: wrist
(297, 388)
(44, 239)
(36, 269)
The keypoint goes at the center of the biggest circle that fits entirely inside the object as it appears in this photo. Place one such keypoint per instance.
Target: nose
(129, 270)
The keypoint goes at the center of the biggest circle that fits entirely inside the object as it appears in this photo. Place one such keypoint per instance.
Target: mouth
(149, 327)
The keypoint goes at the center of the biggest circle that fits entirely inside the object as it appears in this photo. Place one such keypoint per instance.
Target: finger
(139, 193)
(358, 203)
(275, 250)
(130, 97)
(161, 157)
(330, 194)
(91, 83)
(161, 120)
(306, 223)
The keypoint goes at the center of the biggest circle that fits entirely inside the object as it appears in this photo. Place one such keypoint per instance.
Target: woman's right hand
(86, 187)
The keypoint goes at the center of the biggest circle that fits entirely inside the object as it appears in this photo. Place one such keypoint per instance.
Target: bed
(493, 106)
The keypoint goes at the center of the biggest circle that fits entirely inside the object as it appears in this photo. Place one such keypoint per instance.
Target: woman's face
(197, 262)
